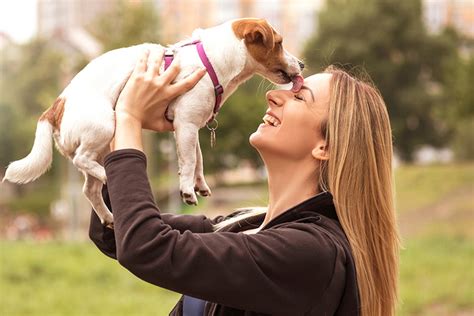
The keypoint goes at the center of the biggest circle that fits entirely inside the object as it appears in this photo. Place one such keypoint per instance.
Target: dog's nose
(301, 64)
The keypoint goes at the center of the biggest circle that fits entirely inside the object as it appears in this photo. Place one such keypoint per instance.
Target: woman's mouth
(271, 120)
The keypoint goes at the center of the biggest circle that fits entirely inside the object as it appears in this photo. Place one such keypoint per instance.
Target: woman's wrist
(128, 132)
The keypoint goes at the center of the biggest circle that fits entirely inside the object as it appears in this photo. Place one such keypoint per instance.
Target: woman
(327, 243)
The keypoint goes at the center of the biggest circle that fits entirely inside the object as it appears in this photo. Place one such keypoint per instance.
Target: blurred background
(419, 53)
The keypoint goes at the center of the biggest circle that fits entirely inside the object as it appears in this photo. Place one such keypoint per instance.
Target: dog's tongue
(297, 83)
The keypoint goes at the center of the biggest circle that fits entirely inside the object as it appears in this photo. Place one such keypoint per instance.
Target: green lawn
(437, 262)
(420, 186)
(437, 276)
(73, 279)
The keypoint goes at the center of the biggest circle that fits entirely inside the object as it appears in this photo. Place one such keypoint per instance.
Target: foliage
(458, 109)
(129, 23)
(30, 82)
(239, 118)
(388, 39)
(36, 198)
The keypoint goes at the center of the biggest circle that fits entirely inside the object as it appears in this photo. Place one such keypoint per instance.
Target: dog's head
(265, 47)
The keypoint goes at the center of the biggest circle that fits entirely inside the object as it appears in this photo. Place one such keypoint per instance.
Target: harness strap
(218, 88)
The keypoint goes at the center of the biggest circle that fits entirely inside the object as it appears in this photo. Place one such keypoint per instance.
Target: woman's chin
(258, 138)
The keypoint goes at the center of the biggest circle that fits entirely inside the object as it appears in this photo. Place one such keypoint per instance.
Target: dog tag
(213, 138)
(213, 132)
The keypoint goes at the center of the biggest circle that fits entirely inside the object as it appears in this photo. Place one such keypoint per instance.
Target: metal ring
(213, 128)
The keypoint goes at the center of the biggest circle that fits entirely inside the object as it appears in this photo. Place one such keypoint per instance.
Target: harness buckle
(169, 52)
(218, 90)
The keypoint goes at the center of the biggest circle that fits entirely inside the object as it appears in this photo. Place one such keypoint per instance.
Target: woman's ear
(320, 152)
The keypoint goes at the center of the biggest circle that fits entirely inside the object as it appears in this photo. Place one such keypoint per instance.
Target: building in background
(59, 15)
(65, 22)
(295, 20)
(459, 14)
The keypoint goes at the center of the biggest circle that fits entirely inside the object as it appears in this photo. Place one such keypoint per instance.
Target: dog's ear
(254, 31)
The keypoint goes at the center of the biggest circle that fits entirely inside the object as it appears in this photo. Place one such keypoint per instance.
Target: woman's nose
(274, 98)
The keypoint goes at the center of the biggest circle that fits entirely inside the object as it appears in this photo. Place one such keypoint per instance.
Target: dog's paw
(202, 191)
(108, 221)
(201, 187)
(189, 198)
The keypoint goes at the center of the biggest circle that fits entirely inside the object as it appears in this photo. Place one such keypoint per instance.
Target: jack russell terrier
(82, 122)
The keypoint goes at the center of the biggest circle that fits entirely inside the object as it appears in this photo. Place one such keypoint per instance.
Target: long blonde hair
(359, 176)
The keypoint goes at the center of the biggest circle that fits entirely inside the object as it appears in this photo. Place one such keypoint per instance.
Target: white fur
(38, 160)
(87, 125)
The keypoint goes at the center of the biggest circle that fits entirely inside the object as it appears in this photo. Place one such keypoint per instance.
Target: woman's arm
(104, 238)
(280, 271)
(283, 271)
(156, 92)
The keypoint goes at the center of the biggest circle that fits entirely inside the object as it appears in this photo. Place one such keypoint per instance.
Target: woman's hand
(145, 98)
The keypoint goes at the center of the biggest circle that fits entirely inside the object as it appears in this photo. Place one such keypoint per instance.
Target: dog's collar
(218, 88)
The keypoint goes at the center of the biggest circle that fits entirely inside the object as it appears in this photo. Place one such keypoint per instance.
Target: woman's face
(293, 120)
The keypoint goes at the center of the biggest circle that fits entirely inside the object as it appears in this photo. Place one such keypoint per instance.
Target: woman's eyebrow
(310, 91)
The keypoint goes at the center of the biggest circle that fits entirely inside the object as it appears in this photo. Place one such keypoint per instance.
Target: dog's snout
(301, 64)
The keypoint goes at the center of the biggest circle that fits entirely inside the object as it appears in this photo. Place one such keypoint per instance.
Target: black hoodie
(300, 263)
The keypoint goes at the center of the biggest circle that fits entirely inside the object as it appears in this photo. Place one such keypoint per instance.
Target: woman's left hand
(147, 94)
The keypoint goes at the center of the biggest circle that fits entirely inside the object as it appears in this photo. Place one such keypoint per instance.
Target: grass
(437, 276)
(419, 186)
(436, 272)
(73, 279)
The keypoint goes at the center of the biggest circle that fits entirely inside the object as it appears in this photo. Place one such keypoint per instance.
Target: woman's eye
(299, 97)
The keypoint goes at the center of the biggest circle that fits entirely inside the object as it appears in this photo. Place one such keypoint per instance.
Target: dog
(82, 120)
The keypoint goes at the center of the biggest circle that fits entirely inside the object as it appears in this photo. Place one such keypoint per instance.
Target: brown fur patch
(262, 41)
(54, 114)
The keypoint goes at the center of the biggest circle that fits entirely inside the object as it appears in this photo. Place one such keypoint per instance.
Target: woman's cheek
(286, 142)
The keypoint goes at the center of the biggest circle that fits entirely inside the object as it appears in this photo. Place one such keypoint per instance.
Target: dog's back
(83, 110)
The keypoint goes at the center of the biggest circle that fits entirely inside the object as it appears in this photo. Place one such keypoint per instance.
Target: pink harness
(218, 89)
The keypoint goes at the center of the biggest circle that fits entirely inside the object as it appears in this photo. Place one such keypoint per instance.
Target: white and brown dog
(82, 118)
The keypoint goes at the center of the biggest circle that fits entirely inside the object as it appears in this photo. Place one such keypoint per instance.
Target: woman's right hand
(148, 93)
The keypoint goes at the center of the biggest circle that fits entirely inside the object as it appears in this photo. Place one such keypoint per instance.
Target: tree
(128, 23)
(388, 39)
(239, 117)
(30, 82)
(458, 112)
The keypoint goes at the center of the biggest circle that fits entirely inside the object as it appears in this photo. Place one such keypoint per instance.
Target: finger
(156, 61)
(170, 74)
(140, 66)
(168, 126)
(187, 83)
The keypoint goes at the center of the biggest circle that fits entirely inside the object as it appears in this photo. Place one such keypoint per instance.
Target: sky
(18, 19)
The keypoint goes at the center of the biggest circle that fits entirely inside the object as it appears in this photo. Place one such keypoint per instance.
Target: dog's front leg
(186, 135)
(200, 184)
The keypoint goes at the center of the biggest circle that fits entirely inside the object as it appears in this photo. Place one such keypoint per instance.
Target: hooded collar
(320, 204)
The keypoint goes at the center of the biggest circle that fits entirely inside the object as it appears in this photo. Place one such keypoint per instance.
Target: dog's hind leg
(200, 184)
(186, 135)
(85, 161)
(92, 190)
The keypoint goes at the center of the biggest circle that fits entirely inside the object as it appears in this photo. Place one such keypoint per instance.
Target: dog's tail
(39, 159)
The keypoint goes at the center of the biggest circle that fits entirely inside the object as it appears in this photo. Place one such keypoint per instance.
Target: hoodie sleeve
(104, 238)
(277, 271)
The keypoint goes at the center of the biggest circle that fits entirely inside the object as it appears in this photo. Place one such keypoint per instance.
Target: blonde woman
(327, 242)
